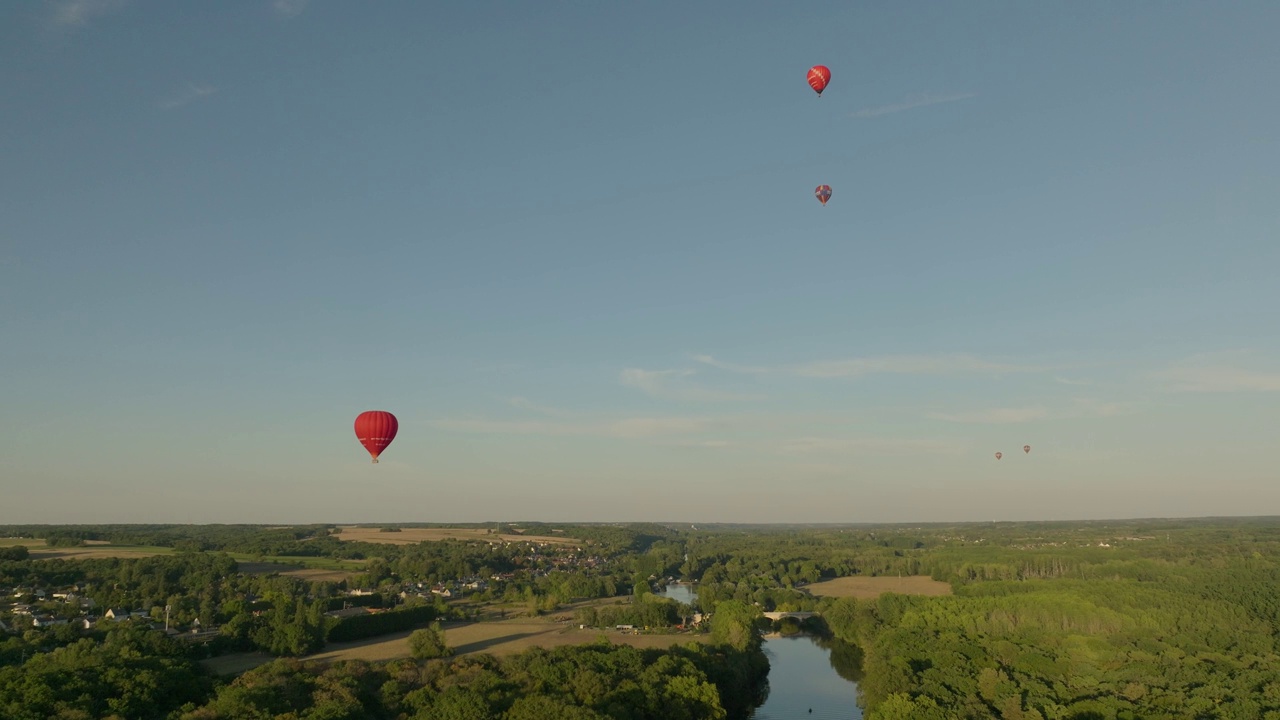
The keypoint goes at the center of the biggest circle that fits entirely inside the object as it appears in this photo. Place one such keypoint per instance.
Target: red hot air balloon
(823, 193)
(998, 455)
(1026, 449)
(819, 76)
(375, 429)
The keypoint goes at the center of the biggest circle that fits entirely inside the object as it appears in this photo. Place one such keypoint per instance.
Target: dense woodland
(1073, 621)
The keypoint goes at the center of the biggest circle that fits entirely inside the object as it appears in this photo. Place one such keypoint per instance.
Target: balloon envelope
(1026, 449)
(375, 429)
(823, 193)
(999, 455)
(819, 76)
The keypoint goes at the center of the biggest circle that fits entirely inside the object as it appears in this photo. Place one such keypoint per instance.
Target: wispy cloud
(77, 13)
(673, 384)
(653, 382)
(526, 404)
(1077, 408)
(1216, 378)
(1093, 407)
(909, 365)
(290, 8)
(940, 364)
(190, 93)
(706, 443)
(993, 416)
(626, 428)
(708, 360)
(1070, 381)
(869, 445)
(912, 102)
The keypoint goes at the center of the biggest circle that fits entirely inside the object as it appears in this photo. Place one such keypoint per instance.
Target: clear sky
(574, 247)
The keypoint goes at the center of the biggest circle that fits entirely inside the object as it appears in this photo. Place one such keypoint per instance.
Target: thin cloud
(1217, 379)
(684, 428)
(912, 102)
(671, 384)
(1093, 407)
(653, 382)
(993, 416)
(626, 428)
(909, 365)
(869, 445)
(708, 360)
(706, 443)
(942, 364)
(1078, 408)
(1069, 381)
(290, 8)
(191, 93)
(526, 404)
(78, 13)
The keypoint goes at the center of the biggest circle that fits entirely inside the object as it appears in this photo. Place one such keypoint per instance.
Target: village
(26, 607)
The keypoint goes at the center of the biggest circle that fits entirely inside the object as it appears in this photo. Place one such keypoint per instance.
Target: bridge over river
(796, 615)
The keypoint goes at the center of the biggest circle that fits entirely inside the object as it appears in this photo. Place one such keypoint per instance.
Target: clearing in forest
(298, 571)
(861, 586)
(497, 638)
(90, 552)
(413, 536)
(494, 638)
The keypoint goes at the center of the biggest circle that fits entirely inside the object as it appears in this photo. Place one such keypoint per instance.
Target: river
(802, 676)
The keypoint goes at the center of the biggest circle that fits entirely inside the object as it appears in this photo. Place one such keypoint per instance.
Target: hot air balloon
(998, 455)
(375, 429)
(823, 193)
(1026, 449)
(819, 76)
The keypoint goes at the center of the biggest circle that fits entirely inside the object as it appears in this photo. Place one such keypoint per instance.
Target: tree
(733, 623)
(429, 643)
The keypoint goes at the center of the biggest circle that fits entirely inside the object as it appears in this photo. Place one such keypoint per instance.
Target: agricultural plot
(494, 638)
(413, 536)
(93, 551)
(870, 587)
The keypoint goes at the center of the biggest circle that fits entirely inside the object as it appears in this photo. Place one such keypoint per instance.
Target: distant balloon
(999, 455)
(819, 76)
(1026, 449)
(375, 429)
(823, 193)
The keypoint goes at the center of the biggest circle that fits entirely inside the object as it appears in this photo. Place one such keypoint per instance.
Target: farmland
(858, 586)
(415, 535)
(494, 638)
(93, 551)
(312, 574)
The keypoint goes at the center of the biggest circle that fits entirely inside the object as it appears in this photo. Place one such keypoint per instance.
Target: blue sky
(574, 247)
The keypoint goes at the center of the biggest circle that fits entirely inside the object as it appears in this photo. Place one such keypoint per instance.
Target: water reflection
(680, 592)
(845, 659)
(807, 673)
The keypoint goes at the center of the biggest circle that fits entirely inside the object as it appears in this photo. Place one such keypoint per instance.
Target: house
(116, 614)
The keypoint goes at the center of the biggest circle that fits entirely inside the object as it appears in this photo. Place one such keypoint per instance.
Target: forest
(1070, 621)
